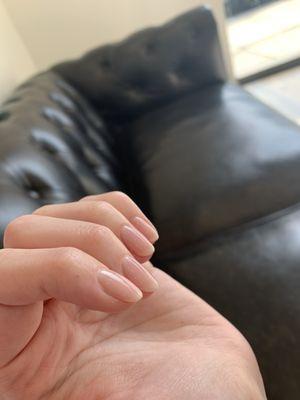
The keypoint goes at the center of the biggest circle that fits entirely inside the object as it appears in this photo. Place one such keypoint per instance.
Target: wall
(61, 29)
(15, 62)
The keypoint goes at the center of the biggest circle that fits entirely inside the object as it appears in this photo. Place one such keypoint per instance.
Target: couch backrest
(150, 67)
(53, 148)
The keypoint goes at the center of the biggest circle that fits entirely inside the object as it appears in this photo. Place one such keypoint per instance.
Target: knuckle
(99, 232)
(15, 226)
(41, 210)
(87, 198)
(121, 196)
(68, 256)
(101, 207)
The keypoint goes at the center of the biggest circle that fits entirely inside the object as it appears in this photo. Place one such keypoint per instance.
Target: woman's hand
(67, 260)
(86, 253)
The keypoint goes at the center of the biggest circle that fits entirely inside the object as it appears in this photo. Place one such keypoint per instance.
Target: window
(262, 34)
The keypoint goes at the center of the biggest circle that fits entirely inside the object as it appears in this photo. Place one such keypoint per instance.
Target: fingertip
(137, 274)
(147, 229)
(118, 287)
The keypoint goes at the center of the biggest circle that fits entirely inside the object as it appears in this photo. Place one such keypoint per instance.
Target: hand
(170, 345)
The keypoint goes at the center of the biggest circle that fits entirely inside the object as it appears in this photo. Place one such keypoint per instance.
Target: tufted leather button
(33, 183)
(150, 48)
(105, 64)
(176, 80)
(136, 95)
(4, 115)
(48, 147)
(34, 194)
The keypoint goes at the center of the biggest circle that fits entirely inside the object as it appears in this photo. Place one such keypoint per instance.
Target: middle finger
(103, 213)
(34, 231)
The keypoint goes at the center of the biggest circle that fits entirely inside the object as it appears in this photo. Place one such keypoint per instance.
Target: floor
(264, 37)
(281, 91)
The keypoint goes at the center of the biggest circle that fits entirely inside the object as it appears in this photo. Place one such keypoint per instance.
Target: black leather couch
(216, 170)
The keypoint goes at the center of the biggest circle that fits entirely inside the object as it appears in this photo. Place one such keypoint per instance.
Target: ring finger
(34, 231)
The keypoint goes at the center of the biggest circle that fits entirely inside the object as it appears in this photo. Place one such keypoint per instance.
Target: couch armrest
(150, 67)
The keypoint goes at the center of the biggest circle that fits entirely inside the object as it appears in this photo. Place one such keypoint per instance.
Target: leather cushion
(149, 68)
(54, 148)
(211, 161)
(252, 276)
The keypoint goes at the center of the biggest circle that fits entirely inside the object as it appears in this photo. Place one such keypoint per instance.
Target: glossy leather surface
(54, 148)
(214, 160)
(252, 276)
(215, 169)
(219, 173)
(150, 67)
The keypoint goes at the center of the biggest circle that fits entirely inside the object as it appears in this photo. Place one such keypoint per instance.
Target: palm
(169, 346)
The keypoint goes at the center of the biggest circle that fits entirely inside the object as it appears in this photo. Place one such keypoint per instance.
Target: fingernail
(145, 228)
(119, 287)
(136, 242)
(137, 274)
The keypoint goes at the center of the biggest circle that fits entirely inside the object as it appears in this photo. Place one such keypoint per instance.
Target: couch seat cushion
(212, 161)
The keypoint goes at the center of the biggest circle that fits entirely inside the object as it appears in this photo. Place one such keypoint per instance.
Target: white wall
(15, 62)
(55, 30)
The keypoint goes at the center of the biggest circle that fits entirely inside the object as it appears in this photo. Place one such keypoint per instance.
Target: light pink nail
(137, 274)
(119, 287)
(145, 228)
(136, 242)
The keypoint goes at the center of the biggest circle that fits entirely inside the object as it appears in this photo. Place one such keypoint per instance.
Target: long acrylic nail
(136, 242)
(145, 228)
(119, 287)
(137, 274)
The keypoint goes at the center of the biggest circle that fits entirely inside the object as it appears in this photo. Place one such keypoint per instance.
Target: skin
(62, 337)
